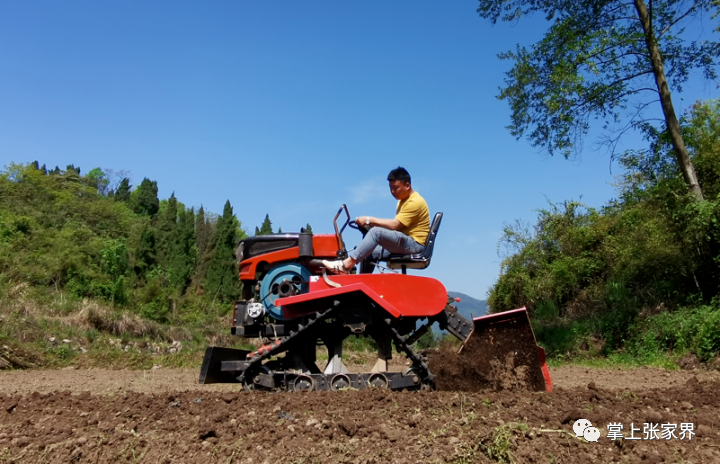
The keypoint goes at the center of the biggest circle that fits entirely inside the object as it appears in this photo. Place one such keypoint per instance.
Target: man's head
(400, 186)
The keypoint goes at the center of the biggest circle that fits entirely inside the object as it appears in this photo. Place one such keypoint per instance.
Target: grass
(625, 338)
(38, 331)
(499, 443)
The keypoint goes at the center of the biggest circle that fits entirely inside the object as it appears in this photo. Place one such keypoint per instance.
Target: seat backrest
(420, 260)
(430, 242)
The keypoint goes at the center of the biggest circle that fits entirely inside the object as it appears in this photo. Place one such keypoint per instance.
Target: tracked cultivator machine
(291, 306)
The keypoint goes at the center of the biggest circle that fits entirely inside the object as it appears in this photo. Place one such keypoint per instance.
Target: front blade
(503, 348)
(211, 371)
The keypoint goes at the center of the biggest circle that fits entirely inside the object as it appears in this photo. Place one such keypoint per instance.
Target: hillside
(468, 306)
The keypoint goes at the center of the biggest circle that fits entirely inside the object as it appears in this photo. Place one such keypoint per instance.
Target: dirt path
(163, 416)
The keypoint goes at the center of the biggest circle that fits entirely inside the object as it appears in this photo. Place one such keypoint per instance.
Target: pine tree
(257, 231)
(279, 230)
(222, 279)
(203, 235)
(145, 198)
(266, 227)
(183, 252)
(203, 230)
(308, 228)
(166, 227)
(145, 253)
(122, 193)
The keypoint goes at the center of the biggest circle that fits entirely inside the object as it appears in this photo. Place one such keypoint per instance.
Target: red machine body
(400, 295)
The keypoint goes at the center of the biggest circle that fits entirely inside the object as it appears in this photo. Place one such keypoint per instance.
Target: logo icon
(591, 434)
(583, 428)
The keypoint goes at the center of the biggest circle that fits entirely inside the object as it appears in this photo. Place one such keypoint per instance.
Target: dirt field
(162, 415)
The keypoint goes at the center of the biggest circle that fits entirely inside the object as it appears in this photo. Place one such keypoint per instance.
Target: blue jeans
(380, 242)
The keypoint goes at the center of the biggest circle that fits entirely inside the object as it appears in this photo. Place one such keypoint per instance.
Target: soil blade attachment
(507, 341)
(500, 353)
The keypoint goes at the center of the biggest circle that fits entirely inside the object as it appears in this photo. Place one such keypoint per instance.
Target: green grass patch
(626, 338)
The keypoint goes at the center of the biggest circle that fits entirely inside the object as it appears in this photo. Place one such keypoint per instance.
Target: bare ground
(163, 415)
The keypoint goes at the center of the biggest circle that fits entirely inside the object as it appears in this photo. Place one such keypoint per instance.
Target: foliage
(145, 199)
(122, 193)
(65, 233)
(427, 340)
(222, 280)
(601, 60)
(265, 228)
(620, 278)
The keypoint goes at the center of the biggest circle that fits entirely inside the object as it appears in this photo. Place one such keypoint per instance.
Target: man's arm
(392, 224)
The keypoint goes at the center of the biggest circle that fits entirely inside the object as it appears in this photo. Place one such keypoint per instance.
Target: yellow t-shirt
(414, 215)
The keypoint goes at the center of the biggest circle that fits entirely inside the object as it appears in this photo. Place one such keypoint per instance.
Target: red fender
(399, 294)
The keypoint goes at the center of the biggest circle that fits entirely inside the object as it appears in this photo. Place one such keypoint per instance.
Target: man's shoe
(336, 267)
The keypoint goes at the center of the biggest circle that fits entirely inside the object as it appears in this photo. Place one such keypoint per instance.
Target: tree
(71, 169)
(308, 228)
(145, 199)
(203, 231)
(181, 262)
(167, 227)
(99, 180)
(601, 59)
(145, 253)
(266, 227)
(222, 278)
(122, 193)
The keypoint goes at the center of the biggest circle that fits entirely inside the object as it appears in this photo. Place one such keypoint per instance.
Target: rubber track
(427, 377)
(259, 358)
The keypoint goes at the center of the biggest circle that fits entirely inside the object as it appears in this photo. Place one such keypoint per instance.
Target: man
(405, 234)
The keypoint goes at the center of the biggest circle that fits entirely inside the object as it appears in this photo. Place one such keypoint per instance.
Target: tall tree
(122, 193)
(266, 227)
(98, 179)
(203, 231)
(145, 199)
(607, 59)
(145, 253)
(166, 227)
(183, 251)
(222, 278)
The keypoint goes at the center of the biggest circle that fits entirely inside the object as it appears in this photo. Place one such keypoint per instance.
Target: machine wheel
(340, 381)
(378, 381)
(303, 383)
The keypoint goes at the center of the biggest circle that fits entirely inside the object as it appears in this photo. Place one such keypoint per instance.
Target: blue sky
(292, 109)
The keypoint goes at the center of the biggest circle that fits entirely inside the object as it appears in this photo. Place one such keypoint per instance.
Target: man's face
(399, 189)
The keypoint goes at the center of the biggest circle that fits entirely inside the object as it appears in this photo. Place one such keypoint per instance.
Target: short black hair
(401, 174)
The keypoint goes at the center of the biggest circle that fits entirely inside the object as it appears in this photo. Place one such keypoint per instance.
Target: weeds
(99, 335)
(499, 443)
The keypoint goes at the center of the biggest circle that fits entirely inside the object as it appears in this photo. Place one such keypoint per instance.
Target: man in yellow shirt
(405, 234)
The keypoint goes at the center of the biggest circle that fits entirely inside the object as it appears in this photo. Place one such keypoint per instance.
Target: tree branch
(680, 18)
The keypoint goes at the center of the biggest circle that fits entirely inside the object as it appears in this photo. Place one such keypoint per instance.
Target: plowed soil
(163, 416)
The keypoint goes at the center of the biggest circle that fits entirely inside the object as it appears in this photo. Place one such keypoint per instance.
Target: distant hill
(468, 306)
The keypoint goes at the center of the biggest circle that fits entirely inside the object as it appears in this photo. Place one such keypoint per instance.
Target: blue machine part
(284, 280)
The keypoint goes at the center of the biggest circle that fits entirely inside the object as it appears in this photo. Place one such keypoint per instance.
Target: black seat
(420, 260)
